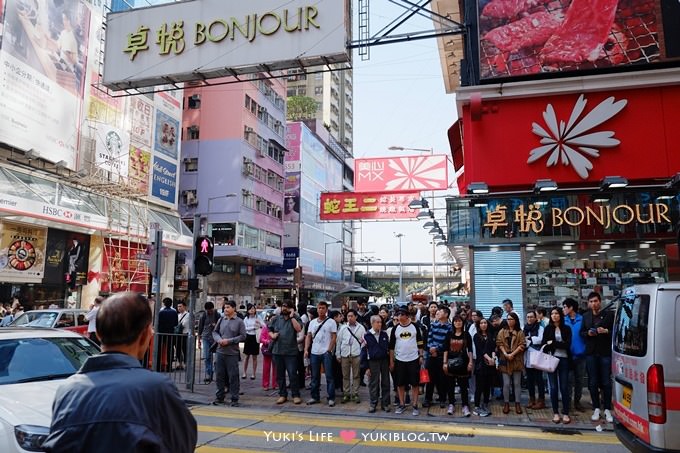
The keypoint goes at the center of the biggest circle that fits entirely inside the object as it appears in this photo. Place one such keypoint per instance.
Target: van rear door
(632, 356)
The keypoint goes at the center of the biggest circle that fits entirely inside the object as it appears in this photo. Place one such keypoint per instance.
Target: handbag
(539, 360)
(179, 328)
(424, 376)
(265, 349)
(457, 365)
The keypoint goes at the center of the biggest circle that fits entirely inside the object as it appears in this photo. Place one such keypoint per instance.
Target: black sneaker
(371, 409)
(218, 402)
(235, 403)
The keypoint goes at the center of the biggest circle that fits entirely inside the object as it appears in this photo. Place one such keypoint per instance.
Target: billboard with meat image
(524, 37)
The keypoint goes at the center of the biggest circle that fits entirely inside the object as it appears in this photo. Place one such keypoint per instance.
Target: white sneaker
(596, 415)
(451, 409)
(608, 416)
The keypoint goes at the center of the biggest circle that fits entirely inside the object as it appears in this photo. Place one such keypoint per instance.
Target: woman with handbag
(511, 344)
(457, 364)
(268, 366)
(557, 341)
(251, 348)
(485, 367)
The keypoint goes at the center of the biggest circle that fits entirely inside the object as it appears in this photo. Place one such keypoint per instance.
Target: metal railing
(171, 358)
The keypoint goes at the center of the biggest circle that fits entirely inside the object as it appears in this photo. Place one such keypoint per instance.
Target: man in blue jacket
(577, 368)
(112, 404)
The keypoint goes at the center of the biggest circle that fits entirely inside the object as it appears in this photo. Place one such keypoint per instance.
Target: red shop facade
(562, 183)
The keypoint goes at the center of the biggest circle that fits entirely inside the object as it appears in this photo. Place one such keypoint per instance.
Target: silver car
(33, 364)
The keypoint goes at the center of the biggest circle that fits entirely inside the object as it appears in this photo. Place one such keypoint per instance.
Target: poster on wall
(139, 169)
(164, 184)
(141, 116)
(165, 136)
(22, 252)
(42, 76)
(121, 270)
(112, 150)
(533, 37)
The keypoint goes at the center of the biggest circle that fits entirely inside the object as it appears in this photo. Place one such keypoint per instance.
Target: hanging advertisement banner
(112, 150)
(544, 37)
(42, 76)
(164, 185)
(165, 137)
(22, 252)
(367, 206)
(180, 42)
(398, 174)
(141, 114)
(139, 169)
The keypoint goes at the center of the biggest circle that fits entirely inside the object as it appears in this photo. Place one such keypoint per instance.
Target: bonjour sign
(532, 218)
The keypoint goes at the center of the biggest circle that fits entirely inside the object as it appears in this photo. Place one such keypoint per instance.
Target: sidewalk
(254, 396)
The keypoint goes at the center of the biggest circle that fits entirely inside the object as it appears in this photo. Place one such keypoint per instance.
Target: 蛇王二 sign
(367, 206)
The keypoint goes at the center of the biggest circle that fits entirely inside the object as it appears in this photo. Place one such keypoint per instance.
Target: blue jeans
(315, 362)
(559, 380)
(207, 358)
(600, 376)
(287, 364)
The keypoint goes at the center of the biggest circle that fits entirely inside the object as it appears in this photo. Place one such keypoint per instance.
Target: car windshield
(37, 319)
(39, 359)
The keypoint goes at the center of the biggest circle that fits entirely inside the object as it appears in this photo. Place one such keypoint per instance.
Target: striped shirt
(437, 335)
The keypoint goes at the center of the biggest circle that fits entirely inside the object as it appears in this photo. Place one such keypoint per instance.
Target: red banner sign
(399, 174)
(367, 206)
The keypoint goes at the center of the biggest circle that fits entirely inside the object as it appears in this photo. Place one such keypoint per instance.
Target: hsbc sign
(60, 213)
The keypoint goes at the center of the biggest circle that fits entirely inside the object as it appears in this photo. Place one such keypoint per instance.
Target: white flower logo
(572, 142)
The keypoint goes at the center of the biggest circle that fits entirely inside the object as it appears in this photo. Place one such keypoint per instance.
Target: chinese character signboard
(633, 216)
(152, 46)
(399, 174)
(112, 150)
(367, 206)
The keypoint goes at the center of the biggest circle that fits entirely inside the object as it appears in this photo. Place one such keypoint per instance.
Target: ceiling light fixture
(613, 182)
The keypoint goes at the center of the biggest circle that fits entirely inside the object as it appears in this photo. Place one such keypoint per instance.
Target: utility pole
(193, 286)
(156, 269)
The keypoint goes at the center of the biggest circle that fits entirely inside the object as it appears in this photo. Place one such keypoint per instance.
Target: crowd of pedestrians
(412, 358)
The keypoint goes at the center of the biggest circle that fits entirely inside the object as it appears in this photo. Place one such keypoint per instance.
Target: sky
(400, 100)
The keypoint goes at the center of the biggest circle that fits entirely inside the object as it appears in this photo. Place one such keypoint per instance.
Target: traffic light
(203, 255)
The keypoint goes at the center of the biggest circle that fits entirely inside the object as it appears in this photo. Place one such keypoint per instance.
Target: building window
(191, 164)
(318, 91)
(192, 133)
(291, 92)
(224, 233)
(194, 101)
(302, 91)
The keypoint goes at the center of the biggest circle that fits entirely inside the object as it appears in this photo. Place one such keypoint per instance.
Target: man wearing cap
(112, 404)
(229, 332)
(406, 358)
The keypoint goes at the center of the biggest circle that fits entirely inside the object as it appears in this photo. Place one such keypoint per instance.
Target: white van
(646, 368)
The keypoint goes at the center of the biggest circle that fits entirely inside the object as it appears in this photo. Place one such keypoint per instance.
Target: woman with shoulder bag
(511, 344)
(485, 367)
(557, 341)
(457, 364)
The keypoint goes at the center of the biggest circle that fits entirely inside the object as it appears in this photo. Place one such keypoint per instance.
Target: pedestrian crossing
(224, 430)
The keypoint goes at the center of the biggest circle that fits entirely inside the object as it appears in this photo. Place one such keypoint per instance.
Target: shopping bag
(539, 360)
(424, 376)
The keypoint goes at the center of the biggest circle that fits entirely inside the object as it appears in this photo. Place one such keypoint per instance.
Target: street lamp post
(434, 252)
(325, 252)
(367, 260)
(401, 268)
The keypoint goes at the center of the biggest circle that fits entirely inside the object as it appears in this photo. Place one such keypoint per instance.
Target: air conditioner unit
(196, 97)
(193, 128)
(262, 109)
(249, 130)
(248, 169)
(191, 198)
(187, 160)
(181, 272)
(262, 152)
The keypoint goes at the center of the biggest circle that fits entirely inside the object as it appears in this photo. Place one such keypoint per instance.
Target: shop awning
(38, 200)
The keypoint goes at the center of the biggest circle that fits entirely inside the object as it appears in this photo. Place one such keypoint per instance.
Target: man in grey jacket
(229, 332)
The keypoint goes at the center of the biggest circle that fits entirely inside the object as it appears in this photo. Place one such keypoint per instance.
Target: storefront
(61, 244)
(540, 249)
